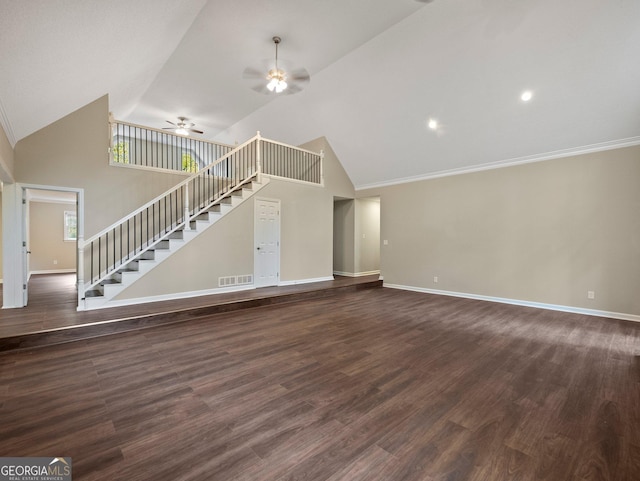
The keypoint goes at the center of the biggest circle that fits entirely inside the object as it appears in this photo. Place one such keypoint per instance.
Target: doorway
(356, 236)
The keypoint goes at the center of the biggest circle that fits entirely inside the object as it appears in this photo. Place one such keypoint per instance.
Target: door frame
(14, 248)
(255, 236)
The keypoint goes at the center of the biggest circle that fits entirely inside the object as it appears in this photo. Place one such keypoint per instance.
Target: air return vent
(242, 280)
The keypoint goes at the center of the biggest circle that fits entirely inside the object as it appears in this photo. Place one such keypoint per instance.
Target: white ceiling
(379, 70)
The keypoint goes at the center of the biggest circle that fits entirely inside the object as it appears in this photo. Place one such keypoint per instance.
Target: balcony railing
(138, 146)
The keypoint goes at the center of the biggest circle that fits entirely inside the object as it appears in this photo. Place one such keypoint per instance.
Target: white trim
(517, 302)
(170, 297)
(556, 154)
(6, 126)
(149, 168)
(51, 271)
(305, 281)
(355, 274)
(297, 181)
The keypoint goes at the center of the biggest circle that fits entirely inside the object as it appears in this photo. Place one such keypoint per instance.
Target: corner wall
(545, 232)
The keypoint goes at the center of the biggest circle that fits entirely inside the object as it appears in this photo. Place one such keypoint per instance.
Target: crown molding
(6, 126)
(556, 154)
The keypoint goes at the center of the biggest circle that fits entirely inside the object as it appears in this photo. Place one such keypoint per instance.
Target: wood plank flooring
(377, 384)
(53, 306)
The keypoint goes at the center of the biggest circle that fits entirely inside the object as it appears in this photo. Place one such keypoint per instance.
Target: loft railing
(113, 248)
(283, 160)
(135, 145)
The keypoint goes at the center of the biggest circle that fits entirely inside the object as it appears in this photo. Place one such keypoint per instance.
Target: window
(121, 152)
(70, 226)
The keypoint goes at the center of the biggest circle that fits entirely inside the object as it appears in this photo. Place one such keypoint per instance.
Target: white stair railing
(127, 239)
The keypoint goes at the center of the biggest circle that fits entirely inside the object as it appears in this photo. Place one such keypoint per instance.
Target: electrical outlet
(385, 242)
(591, 295)
(55, 262)
(435, 279)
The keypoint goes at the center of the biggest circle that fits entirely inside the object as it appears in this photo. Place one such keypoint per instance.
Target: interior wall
(546, 232)
(367, 236)
(49, 251)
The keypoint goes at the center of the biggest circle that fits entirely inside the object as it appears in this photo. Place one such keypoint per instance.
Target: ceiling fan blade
(299, 75)
(170, 123)
(196, 131)
(261, 88)
(254, 74)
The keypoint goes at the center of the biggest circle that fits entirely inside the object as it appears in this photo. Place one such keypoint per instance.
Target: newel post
(258, 157)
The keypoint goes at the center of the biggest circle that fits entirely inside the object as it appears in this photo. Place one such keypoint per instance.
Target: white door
(267, 243)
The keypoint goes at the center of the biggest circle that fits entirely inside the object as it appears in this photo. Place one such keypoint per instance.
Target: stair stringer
(170, 244)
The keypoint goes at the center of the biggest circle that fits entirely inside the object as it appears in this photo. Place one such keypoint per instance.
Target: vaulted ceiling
(380, 71)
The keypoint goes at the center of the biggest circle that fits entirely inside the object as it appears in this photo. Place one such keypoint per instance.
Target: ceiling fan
(183, 127)
(278, 77)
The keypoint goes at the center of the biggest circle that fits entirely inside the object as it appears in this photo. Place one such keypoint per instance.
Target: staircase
(118, 256)
(108, 288)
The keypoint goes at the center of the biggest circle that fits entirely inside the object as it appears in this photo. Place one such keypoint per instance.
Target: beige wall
(227, 248)
(46, 238)
(545, 232)
(73, 152)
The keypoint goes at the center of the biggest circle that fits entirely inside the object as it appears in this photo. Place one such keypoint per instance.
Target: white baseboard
(517, 302)
(305, 281)
(52, 271)
(355, 274)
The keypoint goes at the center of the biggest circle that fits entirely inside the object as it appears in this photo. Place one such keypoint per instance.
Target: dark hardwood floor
(53, 304)
(369, 385)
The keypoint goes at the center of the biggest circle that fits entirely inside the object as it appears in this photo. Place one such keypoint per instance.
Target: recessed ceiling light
(432, 124)
(526, 95)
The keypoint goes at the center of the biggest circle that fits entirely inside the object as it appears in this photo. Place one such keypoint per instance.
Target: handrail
(167, 192)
